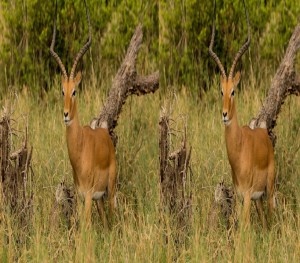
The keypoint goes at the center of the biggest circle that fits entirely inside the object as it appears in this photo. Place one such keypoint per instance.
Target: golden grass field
(137, 234)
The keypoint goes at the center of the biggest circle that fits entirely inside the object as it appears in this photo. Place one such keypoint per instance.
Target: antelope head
(70, 83)
(229, 83)
(69, 91)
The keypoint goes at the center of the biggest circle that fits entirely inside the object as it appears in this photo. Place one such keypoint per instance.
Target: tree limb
(145, 84)
(125, 83)
(295, 88)
(284, 83)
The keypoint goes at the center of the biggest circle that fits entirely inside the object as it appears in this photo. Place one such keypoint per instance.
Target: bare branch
(14, 174)
(295, 88)
(176, 196)
(125, 83)
(16, 154)
(145, 84)
(284, 83)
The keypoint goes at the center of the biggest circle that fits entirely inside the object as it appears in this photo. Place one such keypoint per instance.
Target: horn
(211, 52)
(57, 58)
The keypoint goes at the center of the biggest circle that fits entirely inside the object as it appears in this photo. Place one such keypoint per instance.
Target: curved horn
(243, 48)
(57, 58)
(85, 47)
(211, 53)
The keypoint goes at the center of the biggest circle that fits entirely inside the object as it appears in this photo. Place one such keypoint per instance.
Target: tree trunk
(284, 83)
(125, 83)
(15, 174)
(176, 197)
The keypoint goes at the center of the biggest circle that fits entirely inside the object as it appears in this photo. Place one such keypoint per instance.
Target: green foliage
(27, 28)
(176, 37)
(185, 32)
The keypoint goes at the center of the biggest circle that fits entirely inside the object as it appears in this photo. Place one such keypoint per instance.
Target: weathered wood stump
(175, 177)
(15, 173)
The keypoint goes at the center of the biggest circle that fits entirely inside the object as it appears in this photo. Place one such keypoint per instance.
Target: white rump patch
(252, 124)
(104, 125)
(256, 195)
(263, 125)
(93, 124)
(98, 195)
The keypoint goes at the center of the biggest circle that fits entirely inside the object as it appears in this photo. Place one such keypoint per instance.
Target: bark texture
(222, 208)
(175, 176)
(16, 173)
(125, 83)
(284, 83)
(65, 206)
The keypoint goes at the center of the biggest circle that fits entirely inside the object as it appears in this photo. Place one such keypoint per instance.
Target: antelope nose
(66, 114)
(224, 114)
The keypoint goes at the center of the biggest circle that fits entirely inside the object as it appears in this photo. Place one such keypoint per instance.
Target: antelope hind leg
(260, 212)
(247, 206)
(270, 189)
(100, 208)
(88, 209)
(112, 189)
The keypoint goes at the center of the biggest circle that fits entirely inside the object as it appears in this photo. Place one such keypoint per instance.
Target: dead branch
(222, 208)
(176, 198)
(64, 206)
(295, 88)
(284, 83)
(15, 167)
(125, 83)
(145, 84)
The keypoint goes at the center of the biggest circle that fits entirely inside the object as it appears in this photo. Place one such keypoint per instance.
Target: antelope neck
(74, 137)
(233, 137)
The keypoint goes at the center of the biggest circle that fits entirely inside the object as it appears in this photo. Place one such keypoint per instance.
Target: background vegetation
(27, 28)
(176, 36)
(185, 33)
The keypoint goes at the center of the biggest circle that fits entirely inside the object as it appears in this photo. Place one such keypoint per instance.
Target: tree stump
(175, 176)
(16, 174)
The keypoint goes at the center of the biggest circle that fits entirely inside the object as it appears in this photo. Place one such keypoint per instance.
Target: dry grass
(137, 235)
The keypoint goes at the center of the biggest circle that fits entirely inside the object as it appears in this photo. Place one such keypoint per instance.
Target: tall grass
(137, 235)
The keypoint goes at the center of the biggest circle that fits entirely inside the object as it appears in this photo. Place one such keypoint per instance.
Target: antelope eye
(74, 93)
(63, 93)
(222, 92)
(232, 93)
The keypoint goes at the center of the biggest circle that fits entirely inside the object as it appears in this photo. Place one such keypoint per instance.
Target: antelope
(250, 151)
(91, 151)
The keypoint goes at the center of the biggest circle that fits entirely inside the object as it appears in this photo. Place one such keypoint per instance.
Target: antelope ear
(237, 78)
(77, 78)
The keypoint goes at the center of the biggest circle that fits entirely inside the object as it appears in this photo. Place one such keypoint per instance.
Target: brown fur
(92, 155)
(250, 153)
